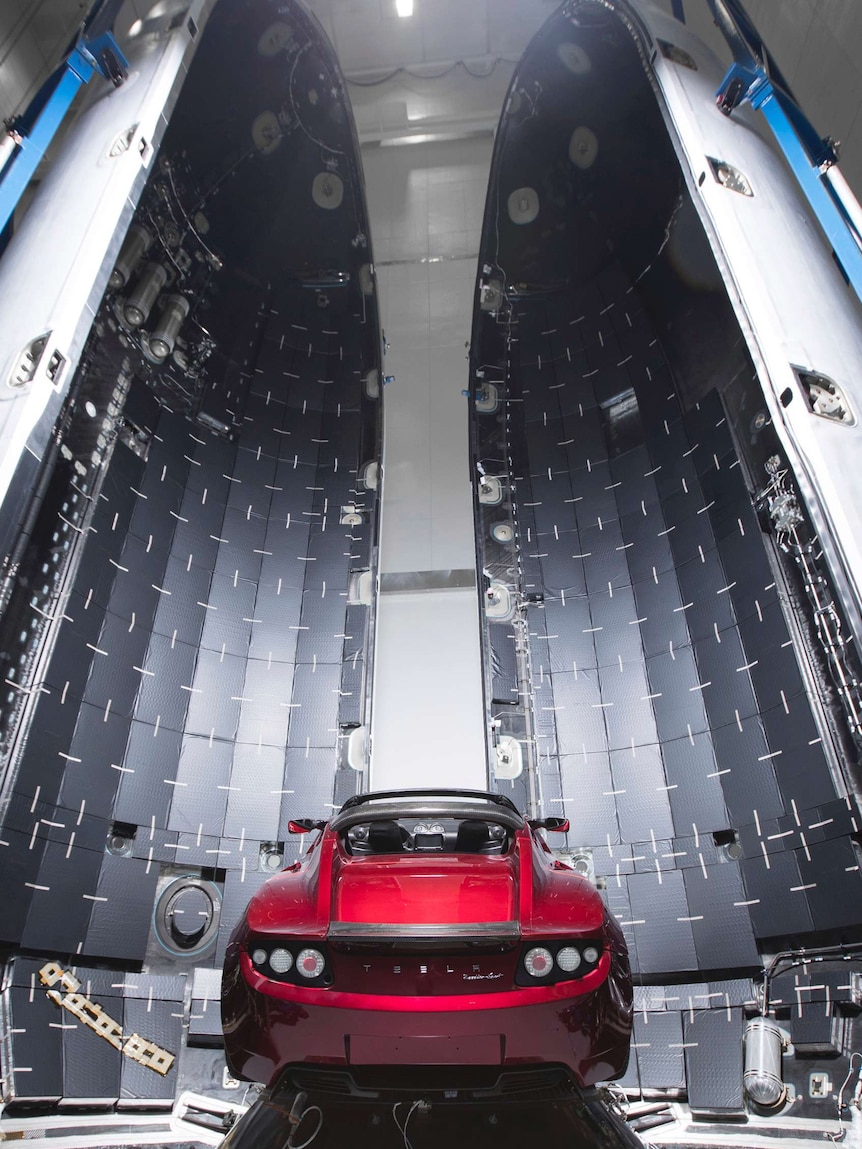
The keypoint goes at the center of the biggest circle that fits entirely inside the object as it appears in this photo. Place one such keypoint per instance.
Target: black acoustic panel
(205, 1015)
(815, 1030)
(588, 798)
(721, 925)
(120, 920)
(239, 559)
(832, 819)
(731, 991)
(60, 910)
(802, 771)
(763, 837)
(257, 782)
(627, 705)
(20, 869)
(275, 632)
(155, 845)
(729, 692)
(657, 1040)
(35, 1069)
(831, 872)
(347, 783)
(51, 735)
(230, 611)
(713, 1061)
(198, 531)
(662, 621)
(359, 544)
(628, 469)
(160, 1022)
(657, 854)
(216, 458)
(146, 986)
(308, 782)
(183, 612)
(748, 777)
(779, 903)
(569, 634)
(774, 666)
(198, 849)
(556, 566)
(614, 619)
(796, 989)
(242, 541)
(97, 751)
(630, 1080)
(328, 540)
(351, 703)
(114, 677)
(162, 697)
(314, 715)
(292, 496)
(77, 652)
(604, 543)
(149, 768)
(251, 474)
(661, 913)
(92, 1065)
(678, 705)
(321, 635)
(643, 806)
(697, 798)
(265, 708)
(142, 566)
(356, 625)
(580, 722)
(203, 779)
(597, 503)
(216, 694)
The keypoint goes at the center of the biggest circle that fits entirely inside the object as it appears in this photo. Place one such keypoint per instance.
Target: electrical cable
(434, 76)
(403, 1129)
(842, 1132)
(296, 105)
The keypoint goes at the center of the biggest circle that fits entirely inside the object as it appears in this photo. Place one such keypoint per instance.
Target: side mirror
(555, 825)
(304, 825)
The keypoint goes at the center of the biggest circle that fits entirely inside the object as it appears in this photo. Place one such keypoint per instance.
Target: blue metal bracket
(754, 77)
(33, 131)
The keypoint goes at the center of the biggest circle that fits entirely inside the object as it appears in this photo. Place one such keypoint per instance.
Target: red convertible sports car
(427, 928)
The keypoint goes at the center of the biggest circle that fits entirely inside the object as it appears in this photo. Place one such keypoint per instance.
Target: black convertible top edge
(435, 792)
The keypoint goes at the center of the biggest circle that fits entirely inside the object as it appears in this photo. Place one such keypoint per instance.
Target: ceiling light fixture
(404, 7)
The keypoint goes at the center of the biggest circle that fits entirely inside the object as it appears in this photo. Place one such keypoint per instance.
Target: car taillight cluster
(558, 961)
(298, 964)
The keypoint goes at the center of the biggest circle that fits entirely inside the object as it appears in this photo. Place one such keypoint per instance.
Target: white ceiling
(368, 35)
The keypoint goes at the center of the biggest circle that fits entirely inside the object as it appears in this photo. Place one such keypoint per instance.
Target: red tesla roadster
(427, 928)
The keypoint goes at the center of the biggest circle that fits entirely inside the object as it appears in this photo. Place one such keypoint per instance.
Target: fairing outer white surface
(794, 307)
(56, 267)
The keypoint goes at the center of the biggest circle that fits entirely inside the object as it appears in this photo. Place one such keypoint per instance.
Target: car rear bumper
(587, 1033)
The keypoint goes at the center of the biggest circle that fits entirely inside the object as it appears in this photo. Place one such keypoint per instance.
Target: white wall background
(426, 203)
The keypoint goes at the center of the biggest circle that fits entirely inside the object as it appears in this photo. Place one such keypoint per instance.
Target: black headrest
(385, 837)
(472, 836)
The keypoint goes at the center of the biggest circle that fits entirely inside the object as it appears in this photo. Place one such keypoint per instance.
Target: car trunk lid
(433, 897)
